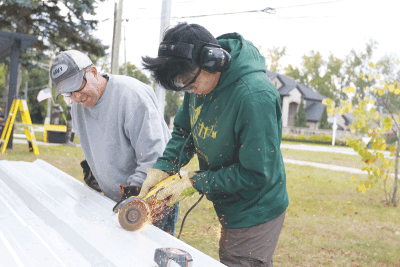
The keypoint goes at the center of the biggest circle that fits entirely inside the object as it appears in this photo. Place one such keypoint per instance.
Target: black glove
(89, 178)
(127, 191)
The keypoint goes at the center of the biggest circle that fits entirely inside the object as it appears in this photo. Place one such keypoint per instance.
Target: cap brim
(70, 84)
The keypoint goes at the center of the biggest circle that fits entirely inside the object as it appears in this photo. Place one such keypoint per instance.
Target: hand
(177, 189)
(89, 178)
(154, 176)
(127, 191)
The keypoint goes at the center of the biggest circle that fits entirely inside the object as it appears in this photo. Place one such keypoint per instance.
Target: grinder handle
(161, 185)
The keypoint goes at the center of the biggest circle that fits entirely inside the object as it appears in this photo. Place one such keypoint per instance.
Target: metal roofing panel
(48, 218)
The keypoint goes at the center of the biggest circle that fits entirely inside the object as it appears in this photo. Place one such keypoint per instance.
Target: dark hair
(165, 69)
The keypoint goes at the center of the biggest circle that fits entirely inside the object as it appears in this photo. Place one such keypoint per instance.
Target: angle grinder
(135, 212)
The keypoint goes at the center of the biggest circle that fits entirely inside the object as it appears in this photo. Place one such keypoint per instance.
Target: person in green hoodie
(231, 119)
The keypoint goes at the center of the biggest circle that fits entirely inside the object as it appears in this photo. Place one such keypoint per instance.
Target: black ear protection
(211, 57)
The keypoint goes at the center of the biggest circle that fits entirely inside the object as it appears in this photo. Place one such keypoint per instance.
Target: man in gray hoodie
(119, 125)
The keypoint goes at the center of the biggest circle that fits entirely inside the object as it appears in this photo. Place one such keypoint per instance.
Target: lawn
(327, 222)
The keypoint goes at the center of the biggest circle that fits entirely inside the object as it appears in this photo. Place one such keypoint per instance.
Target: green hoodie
(236, 132)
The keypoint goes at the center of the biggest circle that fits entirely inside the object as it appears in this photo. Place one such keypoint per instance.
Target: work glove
(175, 191)
(127, 191)
(88, 176)
(154, 176)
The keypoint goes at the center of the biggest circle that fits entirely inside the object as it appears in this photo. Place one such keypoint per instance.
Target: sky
(327, 26)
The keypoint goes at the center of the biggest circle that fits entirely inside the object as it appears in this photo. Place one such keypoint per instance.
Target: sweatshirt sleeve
(257, 133)
(145, 132)
(180, 147)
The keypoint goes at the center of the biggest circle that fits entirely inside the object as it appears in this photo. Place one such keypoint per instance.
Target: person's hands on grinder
(127, 191)
(154, 176)
(177, 189)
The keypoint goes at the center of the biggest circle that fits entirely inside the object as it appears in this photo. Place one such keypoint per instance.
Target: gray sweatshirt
(122, 135)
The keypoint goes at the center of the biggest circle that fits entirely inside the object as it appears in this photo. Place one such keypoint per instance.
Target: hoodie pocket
(223, 199)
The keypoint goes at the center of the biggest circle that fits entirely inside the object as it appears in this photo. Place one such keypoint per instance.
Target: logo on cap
(59, 70)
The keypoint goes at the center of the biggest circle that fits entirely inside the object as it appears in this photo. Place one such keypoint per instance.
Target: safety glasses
(69, 94)
(181, 87)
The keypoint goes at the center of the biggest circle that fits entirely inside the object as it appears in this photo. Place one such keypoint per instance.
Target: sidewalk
(329, 149)
(324, 166)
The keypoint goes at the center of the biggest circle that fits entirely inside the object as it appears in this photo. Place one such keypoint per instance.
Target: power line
(301, 17)
(268, 10)
(311, 4)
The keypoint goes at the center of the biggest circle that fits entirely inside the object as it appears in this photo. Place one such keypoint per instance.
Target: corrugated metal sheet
(48, 218)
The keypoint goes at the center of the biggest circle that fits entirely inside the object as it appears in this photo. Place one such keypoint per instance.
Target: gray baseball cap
(67, 71)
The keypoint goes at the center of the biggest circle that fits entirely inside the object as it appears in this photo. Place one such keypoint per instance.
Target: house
(291, 93)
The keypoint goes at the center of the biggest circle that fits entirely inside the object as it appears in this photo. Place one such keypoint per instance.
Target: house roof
(289, 84)
(314, 110)
(348, 118)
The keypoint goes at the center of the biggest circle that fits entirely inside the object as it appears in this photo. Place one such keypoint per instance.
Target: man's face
(203, 84)
(89, 93)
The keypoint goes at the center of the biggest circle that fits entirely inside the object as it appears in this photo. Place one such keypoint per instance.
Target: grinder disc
(134, 215)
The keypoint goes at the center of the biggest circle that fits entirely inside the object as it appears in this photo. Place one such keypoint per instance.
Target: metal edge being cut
(134, 214)
(90, 253)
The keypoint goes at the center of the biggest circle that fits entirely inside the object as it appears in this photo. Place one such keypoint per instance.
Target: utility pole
(165, 18)
(116, 38)
(126, 67)
(113, 39)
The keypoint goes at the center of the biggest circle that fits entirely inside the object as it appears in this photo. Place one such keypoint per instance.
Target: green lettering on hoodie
(236, 131)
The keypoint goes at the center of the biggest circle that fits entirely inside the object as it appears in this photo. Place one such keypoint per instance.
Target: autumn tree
(376, 123)
(273, 58)
(317, 74)
(357, 70)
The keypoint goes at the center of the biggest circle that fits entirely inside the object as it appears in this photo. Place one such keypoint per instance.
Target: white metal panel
(48, 218)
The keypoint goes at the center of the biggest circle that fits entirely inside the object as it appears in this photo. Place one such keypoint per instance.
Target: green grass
(66, 158)
(327, 224)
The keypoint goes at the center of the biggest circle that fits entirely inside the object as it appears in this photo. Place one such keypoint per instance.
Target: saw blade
(134, 215)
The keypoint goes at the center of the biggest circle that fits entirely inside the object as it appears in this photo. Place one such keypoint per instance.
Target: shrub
(314, 139)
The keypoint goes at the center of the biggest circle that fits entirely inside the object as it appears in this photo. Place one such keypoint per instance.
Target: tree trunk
(396, 171)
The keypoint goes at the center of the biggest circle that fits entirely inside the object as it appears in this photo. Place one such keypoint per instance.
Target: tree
(274, 56)
(356, 69)
(311, 73)
(59, 24)
(129, 69)
(300, 119)
(3, 72)
(323, 121)
(389, 72)
(377, 125)
(36, 78)
(173, 102)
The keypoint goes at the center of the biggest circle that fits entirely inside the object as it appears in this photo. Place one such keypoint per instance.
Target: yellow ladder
(20, 104)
